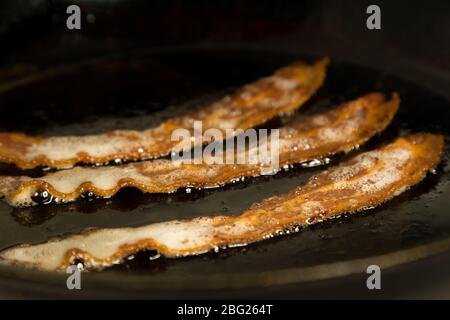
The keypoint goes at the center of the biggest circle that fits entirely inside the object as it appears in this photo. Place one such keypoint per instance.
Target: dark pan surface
(138, 91)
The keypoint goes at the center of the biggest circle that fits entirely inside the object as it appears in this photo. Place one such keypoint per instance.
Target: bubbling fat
(304, 140)
(253, 104)
(359, 183)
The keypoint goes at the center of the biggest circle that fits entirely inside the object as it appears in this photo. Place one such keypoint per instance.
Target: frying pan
(409, 237)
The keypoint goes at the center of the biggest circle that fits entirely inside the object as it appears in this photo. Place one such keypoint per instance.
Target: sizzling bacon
(359, 183)
(255, 103)
(304, 139)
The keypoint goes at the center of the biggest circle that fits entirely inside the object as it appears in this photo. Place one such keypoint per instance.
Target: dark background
(414, 35)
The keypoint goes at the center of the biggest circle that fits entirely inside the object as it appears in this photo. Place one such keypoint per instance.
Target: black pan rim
(333, 270)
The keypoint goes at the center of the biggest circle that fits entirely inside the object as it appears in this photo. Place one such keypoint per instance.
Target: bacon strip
(304, 139)
(359, 183)
(253, 104)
